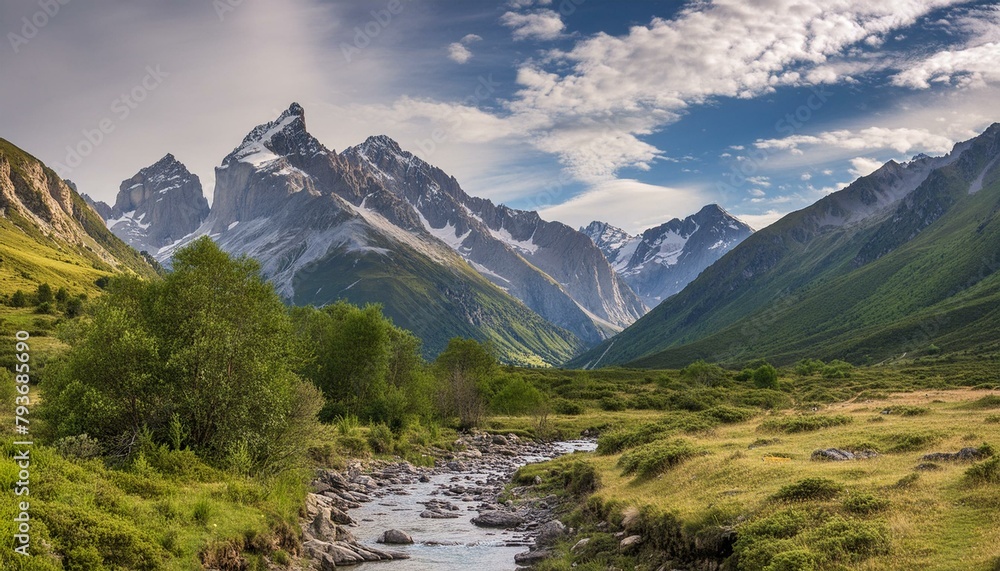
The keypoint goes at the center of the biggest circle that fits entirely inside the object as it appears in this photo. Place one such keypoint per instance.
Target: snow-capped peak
(286, 135)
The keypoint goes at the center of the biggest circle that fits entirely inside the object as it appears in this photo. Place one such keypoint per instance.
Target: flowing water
(445, 544)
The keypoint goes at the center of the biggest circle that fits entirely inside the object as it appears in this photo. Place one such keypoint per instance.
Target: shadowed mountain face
(901, 260)
(158, 206)
(662, 260)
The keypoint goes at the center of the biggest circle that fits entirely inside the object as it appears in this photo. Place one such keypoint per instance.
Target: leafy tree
(465, 368)
(765, 377)
(516, 396)
(44, 294)
(62, 295)
(704, 373)
(19, 299)
(206, 353)
(365, 366)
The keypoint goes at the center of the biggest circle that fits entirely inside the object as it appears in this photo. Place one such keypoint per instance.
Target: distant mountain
(49, 234)
(902, 261)
(158, 206)
(328, 226)
(553, 269)
(662, 260)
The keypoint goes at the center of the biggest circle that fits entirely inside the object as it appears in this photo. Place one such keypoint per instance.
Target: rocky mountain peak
(159, 205)
(285, 136)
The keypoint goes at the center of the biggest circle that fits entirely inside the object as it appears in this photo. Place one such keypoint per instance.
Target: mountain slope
(553, 269)
(662, 260)
(325, 229)
(49, 234)
(900, 260)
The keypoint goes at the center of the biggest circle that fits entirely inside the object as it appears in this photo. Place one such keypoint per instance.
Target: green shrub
(516, 397)
(703, 373)
(651, 459)
(614, 441)
(854, 540)
(987, 472)
(202, 511)
(613, 404)
(864, 503)
(986, 402)
(727, 414)
(765, 377)
(793, 560)
(380, 438)
(809, 489)
(909, 441)
(80, 446)
(793, 424)
(807, 367)
(567, 407)
(837, 369)
(908, 410)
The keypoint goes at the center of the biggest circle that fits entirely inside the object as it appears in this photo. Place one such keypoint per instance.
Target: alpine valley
(376, 224)
(901, 262)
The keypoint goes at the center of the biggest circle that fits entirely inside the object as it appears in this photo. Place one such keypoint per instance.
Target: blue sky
(628, 112)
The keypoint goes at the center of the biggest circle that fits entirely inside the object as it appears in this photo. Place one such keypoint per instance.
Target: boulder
(964, 455)
(395, 537)
(630, 542)
(579, 545)
(529, 558)
(550, 532)
(839, 455)
(498, 519)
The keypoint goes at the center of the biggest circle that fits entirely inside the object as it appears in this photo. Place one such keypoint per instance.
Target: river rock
(395, 537)
(550, 532)
(579, 545)
(498, 519)
(529, 558)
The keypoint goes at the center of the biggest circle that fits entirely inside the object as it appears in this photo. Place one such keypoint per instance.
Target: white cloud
(459, 53)
(863, 166)
(971, 67)
(756, 192)
(806, 176)
(518, 4)
(760, 181)
(540, 25)
(902, 140)
(629, 204)
(761, 221)
(722, 48)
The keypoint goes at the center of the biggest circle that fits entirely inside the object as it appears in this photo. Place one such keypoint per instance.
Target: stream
(451, 544)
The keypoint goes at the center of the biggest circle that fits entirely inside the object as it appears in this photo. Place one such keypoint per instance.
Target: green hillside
(31, 255)
(437, 302)
(920, 278)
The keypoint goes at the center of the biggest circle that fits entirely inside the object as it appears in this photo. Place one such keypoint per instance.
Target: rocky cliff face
(39, 208)
(158, 206)
(662, 260)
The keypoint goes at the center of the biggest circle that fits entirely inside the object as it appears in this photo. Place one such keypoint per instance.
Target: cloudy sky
(628, 112)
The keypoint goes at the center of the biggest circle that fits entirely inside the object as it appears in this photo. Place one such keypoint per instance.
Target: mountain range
(660, 261)
(900, 262)
(376, 224)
